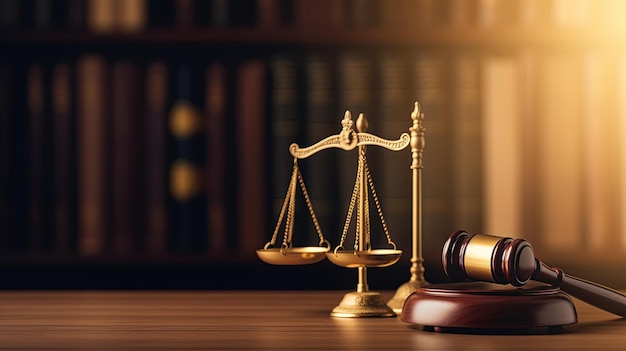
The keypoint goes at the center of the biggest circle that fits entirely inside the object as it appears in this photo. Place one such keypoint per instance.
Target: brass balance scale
(362, 302)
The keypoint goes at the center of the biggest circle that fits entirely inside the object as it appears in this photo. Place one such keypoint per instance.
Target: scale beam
(348, 140)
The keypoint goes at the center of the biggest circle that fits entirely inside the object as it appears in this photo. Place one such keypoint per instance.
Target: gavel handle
(592, 293)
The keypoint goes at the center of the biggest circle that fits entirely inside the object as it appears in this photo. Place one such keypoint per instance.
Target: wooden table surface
(251, 320)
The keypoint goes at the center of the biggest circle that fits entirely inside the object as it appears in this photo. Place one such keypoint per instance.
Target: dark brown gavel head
(488, 258)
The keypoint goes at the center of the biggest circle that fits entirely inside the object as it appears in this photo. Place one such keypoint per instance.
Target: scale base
(488, 308)
(362, 304)
(403, 292)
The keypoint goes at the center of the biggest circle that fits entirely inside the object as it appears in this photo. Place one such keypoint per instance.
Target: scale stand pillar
(362, 285)
(418, 142)
(362, 302)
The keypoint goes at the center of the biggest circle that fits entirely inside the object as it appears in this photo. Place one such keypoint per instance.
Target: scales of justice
(362, 302)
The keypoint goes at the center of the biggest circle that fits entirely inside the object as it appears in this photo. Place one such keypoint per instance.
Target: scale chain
(364, 168)
(290, 209)
(366, 203)
(378, 207)
(350, 207)
(282, 211)
(310, 207)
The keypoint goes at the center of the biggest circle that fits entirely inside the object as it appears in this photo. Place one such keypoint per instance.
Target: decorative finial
(418, 142)
(416, 111)
(362, 124)
(346, 130)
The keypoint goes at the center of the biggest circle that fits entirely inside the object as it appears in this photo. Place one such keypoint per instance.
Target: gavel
(512, 261)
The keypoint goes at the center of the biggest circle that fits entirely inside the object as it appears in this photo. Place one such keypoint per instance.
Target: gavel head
(488, 258)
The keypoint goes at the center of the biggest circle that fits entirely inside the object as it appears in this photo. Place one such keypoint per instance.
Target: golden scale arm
(348, 139)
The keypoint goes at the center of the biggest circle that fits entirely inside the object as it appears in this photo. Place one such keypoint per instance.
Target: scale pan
(293, 256)
(369, 258)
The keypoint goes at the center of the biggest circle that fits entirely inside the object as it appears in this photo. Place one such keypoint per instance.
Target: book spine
(5, 155)
(559, 163)
(361, 14)
(185, 13)
(155, 151)
(488, 12)
(125, 157)
(319, 14)
(10, 14)
(320, 122)
(100, 16)
(42, 14)
(64, 158)
(188, 229)
(35, 157)
(600, 139)
(571, 14)
(276, 13)
(220, 13)
(395, 175)
(467, 144)
(269, 13)
(18, 161)
(429, 14)
(130, 15)
(530, 94)
(284, 125)
(533, 13)
(92, 127)
(501, 14)
(250, 130)
(502, 148)
(217, 152)
(402, 14)
(622, 146)
(76, 15)
(462, 13)
(38, 160)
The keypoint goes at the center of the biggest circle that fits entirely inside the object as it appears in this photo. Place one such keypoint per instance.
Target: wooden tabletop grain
(252, 320)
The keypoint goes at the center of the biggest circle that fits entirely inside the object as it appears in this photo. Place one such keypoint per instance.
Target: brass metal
(418, 143)
(362, 304)
(348, 140)
(479, 247)
(292, 256)
(368, 258)
(288, 255)
(363, 255)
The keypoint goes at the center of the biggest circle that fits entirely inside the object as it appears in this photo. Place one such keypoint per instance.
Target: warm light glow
(502, 146)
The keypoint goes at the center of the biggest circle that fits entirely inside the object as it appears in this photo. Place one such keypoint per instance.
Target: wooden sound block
(474, 307)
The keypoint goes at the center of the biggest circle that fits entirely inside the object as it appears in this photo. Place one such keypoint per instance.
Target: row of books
(117, 156)
(125, 16)
(122, 156)
(104, 16)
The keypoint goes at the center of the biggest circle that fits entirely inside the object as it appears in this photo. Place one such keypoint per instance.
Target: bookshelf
(547, 38)
(222, 76)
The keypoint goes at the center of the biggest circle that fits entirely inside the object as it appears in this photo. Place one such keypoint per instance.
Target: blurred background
(144, 144)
